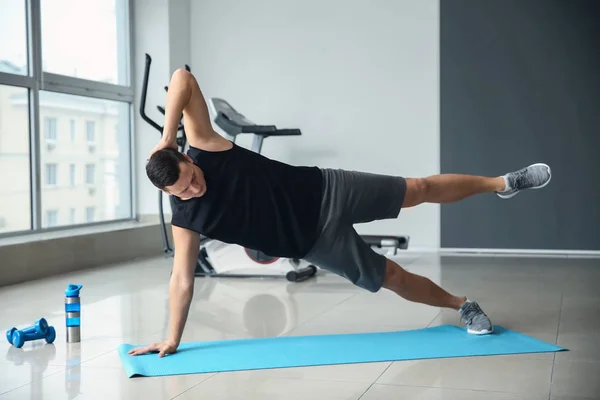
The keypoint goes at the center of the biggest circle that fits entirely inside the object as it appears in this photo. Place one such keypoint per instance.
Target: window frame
(37, 81)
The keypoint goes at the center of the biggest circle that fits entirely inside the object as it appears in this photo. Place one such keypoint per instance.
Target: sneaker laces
(469, 312)
(519, 178)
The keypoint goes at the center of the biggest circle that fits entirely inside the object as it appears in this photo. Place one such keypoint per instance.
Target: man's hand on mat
(162, 349)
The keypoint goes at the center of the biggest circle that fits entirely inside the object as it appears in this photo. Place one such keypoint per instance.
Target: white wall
(162, 30)
(151, 35)
(359, 78)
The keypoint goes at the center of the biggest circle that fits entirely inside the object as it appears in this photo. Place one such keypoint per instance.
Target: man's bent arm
(185, 97)
(181, 286)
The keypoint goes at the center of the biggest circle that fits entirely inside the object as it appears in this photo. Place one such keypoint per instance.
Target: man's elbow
(181, 76)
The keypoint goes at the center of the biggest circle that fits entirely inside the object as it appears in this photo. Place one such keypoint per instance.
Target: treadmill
(234, 123)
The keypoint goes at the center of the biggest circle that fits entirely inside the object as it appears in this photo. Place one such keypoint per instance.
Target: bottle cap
(73, 290)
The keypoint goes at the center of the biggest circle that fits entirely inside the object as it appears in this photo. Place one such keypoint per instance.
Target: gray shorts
(349, 198)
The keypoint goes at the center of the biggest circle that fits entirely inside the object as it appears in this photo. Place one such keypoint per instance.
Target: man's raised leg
(448, 188)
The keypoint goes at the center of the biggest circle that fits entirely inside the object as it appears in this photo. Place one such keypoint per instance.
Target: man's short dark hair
(163, 167)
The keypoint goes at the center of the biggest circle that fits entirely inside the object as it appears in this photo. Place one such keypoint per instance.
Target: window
(104, 173)
(90, 171)
(90, 131)
(101, 22)
(50, 129)
(15, 199)
(13, 25)
(51, 174)
(89, 214)
(56, 91)
(72, 174)
(51, 218)
(72, 130)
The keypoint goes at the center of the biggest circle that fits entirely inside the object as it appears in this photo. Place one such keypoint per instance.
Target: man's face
(191, 182)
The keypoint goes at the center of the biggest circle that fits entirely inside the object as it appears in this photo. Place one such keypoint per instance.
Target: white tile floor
(553, 299)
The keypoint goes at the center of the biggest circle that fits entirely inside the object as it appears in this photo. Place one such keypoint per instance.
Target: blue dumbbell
(40, 327)
(19, 337)
(9, 334)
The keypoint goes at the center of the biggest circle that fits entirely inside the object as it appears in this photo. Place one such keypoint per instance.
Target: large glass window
(65, 114)
(85, 39)
(13, 37)
(15, 203)
(103, 158)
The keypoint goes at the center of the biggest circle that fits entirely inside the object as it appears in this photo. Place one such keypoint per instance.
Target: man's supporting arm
(181, 286)
(181, 291)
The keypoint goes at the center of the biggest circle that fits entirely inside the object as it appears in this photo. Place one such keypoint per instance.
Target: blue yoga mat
(300, 351)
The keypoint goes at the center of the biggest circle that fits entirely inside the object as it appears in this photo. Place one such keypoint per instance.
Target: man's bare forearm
(180, 295)
(181, 285)
(178, 97)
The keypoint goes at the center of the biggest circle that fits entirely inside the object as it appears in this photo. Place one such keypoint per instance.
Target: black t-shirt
(254, 202)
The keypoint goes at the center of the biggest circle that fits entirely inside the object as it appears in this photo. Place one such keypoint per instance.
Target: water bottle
(73, 313)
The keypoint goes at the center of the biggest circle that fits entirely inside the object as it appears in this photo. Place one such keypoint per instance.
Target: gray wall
(520, 83)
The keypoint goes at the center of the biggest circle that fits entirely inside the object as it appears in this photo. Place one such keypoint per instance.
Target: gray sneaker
(535, 176)
(473, 316)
